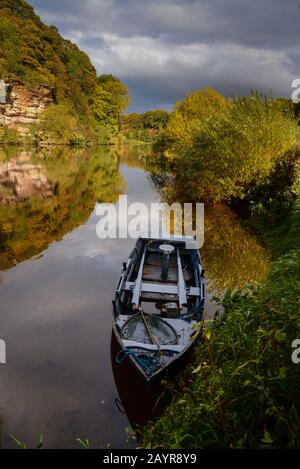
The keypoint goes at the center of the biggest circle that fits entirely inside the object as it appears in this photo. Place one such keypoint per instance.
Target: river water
(57, 281)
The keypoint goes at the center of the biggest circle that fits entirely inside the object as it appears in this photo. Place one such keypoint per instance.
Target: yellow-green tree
(218, 147)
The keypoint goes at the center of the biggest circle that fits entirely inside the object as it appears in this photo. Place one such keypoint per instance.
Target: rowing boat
(159, 303)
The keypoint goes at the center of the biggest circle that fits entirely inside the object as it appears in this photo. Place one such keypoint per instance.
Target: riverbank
(241, 390)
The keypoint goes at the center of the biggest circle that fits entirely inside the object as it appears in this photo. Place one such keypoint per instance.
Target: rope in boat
(148, 364)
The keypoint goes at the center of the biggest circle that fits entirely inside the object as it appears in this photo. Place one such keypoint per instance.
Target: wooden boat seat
(161, 288)
(141, 345)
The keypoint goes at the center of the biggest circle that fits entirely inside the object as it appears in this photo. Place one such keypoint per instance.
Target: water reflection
(20, 179)
(232, 256)
(45, 195)
(139, 400)
(133, 155)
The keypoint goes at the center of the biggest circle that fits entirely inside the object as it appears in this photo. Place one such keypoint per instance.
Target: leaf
(196, 370)
(267, 438)
(207, 333)
(19, 443)
(84, 443)
(247, 382)
(280, 336)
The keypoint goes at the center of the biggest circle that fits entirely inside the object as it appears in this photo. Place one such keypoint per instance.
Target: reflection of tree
(133, 155)
(160, 182)
(231, 254)
(80, 179)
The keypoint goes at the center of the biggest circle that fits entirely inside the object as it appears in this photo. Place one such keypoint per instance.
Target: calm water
(57, 281)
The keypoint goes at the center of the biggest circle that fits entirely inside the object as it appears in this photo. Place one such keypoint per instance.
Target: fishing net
(136, 329)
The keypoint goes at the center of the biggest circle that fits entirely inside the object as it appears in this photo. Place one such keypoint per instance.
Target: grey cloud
(271, 23)
(164, 49)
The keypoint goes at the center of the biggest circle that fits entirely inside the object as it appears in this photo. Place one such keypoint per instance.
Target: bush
(58, 125)
(218, 148)
(9, 136)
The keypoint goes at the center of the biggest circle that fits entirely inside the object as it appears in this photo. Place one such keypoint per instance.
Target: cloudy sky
(163, 49)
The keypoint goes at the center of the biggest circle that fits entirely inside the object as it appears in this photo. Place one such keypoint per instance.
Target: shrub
(218, 148)
(58, 125)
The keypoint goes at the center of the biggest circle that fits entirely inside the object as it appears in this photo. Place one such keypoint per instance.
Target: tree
(156, 119)
(37, 54)
(217, 148)
(117, 89)
(199, 109)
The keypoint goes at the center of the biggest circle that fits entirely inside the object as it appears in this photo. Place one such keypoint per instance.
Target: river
(57, 282)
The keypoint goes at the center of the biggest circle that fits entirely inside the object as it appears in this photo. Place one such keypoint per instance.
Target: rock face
(24, 106)
(23, 179)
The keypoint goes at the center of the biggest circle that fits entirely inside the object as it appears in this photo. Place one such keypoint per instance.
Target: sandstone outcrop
(24, 106)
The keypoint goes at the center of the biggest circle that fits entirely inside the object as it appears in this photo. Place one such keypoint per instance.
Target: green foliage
(58, 125)
(117, 90)
(85, 444)
(230, 261)
(19, 444)
(297, 110)
(242, 390)
(144, 127)
(216, 148)
(198, 112)
(271, 198)
(9, 136)
(157, 119)
(36, 54)
(111, 98)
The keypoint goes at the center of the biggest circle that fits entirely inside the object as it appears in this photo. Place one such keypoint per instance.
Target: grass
(242, 388)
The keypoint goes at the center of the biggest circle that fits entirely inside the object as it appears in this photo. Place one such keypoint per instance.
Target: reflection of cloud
(165, 48)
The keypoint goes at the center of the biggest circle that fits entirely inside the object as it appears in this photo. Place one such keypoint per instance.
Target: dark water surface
(57, 281)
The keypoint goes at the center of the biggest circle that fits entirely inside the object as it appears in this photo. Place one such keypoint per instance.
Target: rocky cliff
(24, 106)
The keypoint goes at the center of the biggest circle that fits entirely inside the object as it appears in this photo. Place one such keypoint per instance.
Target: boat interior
(161, 281)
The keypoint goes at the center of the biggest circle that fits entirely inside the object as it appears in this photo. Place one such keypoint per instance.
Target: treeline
(144, 127)
(37, 54)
